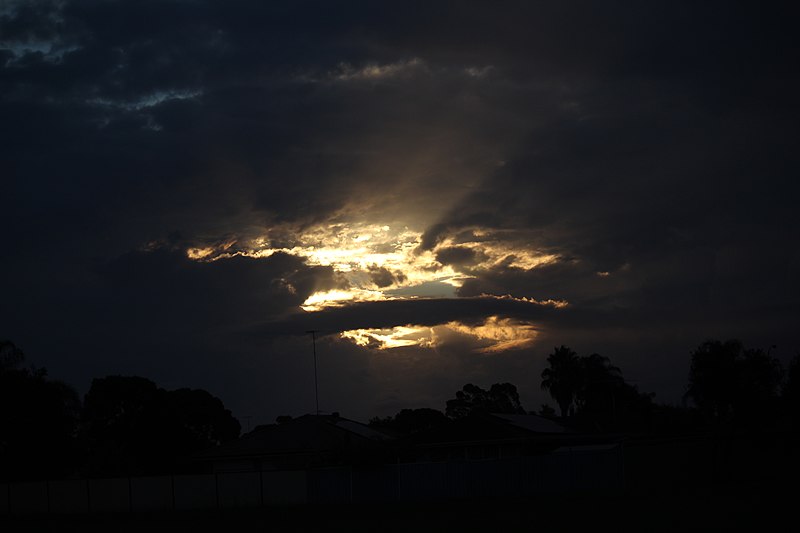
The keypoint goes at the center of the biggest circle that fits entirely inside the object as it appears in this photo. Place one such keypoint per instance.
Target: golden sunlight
(337, 298)
(381, 262)
(492, 336)
(395, 337)
(500, 334)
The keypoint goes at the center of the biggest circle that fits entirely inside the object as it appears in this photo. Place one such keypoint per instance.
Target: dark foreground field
(748, 507)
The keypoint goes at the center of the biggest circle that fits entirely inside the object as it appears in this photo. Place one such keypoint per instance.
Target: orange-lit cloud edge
(379, 262)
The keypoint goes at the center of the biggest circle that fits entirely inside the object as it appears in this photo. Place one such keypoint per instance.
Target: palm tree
(600, 382)
(562, 379)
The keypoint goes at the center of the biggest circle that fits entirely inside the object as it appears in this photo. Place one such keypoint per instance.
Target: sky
(443, 191)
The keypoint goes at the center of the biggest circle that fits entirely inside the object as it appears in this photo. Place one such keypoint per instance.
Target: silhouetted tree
(605, 402)
(712, 377)
(593, 391)
(11, 357)
(626, 409)
(199, 420)
(465, 401)
(38, 420)
(504, 398)
(791, 392)
(599, 391)
(759, 378)
(118, 424)
(674, 420)
(562, 378)
(133, 427)
(500, 398)
(598, 379)
(729, 383)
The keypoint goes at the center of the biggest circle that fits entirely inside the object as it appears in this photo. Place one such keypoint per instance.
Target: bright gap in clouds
(493, 335)
(380, 262)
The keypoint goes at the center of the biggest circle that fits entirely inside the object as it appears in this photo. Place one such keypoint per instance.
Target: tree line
(729, 388)
(125, 425)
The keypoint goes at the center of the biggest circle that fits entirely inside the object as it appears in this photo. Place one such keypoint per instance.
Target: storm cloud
(181, 178)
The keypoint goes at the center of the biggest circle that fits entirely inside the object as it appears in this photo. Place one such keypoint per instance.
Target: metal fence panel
(69, 496)
(421, 481)
(195, 492)
(330, 485)
(151, 493)
(555, 472)
(284, 487)
(30, 497)
(3, 498)
(375, 484)
(597, 470)
(239, 489)
(574, 468)
(109, 495)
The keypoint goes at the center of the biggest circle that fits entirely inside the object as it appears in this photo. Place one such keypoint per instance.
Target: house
(332, 459)
(308, 441)
(487, 436)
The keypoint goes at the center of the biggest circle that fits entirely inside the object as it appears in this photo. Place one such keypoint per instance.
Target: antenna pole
(314, 347)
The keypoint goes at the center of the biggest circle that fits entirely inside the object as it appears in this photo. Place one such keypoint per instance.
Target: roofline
(555, 438)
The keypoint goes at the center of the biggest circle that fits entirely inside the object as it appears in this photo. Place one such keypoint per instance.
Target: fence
(563, 471)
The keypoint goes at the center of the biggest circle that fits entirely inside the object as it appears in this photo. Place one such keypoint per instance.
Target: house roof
(488, 428)
(534, 423)
(305, 434)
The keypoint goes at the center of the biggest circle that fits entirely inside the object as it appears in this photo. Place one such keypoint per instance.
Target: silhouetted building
(303, 442)
(493, 436)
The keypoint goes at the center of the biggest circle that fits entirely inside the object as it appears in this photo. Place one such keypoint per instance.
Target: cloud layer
(180, 177)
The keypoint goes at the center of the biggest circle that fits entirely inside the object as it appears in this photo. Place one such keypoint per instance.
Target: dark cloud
(383, 277)
(650, 148)
(419, 312)
(218, 294)
(457, 255)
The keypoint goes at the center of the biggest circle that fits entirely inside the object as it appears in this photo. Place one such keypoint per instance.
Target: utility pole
(314, 347)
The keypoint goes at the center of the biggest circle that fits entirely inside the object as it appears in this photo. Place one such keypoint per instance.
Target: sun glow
(492, 336)
(338, 298)
(370, 258)
(199, 253)
(376, 258)
(395, 337)
(383, 262)
(500, 333)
